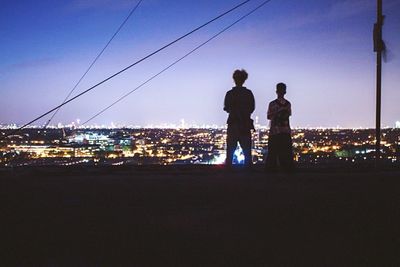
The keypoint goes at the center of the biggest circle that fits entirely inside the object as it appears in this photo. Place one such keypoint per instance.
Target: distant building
(398, 124)
(88, 138)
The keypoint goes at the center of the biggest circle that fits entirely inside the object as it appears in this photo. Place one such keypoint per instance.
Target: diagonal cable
(175, 62)
(130, 66)
(94, 61)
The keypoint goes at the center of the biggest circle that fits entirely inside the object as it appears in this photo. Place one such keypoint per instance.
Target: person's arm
(252, 103)
(227, 103)
(270, 113)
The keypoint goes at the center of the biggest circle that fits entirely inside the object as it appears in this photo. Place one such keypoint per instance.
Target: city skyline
(174, 125)
(321, 49)
(137, 146)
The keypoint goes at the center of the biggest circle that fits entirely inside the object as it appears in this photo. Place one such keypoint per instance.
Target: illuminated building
(185, 146)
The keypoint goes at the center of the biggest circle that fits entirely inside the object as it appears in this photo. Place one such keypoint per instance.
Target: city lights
(165, 146)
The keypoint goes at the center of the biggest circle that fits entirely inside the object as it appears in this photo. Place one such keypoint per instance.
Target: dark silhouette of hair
(240, 76)
(281, 87)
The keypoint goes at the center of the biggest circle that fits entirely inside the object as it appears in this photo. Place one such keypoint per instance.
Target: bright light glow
(220, 159)
(238, 155)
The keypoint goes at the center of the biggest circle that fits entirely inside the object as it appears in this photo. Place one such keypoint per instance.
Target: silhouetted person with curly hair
(280, 150)
(239, 103)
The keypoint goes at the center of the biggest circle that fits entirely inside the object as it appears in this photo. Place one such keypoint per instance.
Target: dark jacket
(239, 103)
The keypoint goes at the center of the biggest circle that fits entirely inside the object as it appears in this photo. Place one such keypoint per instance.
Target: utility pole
(379, 47)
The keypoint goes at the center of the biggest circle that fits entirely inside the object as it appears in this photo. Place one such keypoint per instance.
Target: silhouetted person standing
(239, 103)
(280, 140)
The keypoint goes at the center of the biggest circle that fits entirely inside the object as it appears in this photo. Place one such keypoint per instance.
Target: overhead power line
(130, 66)
(94, 61)
(176, 62)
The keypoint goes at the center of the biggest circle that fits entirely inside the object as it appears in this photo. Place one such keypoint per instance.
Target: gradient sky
(322, 50)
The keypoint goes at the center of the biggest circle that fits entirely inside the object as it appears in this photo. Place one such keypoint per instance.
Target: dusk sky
(322, 50)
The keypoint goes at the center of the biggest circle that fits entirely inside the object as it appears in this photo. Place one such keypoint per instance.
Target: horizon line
(179, 127)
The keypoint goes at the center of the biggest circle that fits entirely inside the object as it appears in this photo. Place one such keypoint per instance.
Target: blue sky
(321, 49)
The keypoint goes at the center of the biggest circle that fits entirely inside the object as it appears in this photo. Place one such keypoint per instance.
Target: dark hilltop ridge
(198, 216)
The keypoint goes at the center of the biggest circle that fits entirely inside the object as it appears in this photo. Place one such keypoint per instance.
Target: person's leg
(287, 152)
(231, 144)
(279, 144)
(290, 153)
(245, 143)
(270, 162)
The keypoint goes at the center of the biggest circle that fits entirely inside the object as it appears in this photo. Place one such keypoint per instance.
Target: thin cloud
(349, 8)
(339, 10)
(101, 4)
(28, 64)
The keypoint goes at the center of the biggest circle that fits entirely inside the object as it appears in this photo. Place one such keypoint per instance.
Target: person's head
(240, 76)
(281, 89)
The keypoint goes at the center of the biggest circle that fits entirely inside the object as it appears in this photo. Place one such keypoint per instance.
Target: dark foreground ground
(198, 216)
